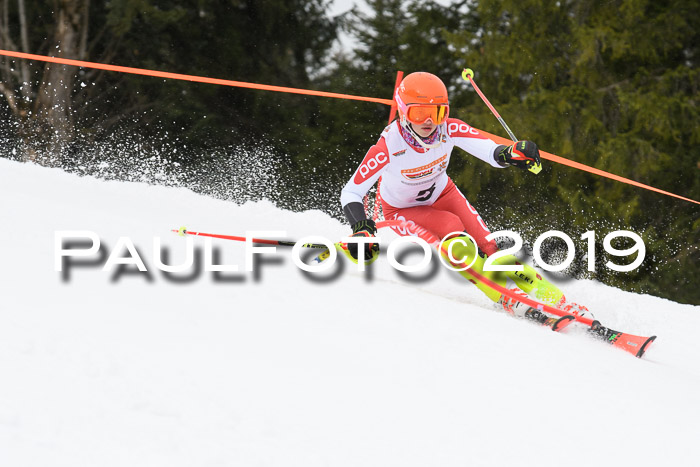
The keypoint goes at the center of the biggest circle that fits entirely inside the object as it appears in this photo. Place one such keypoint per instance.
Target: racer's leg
(527, 280)
(442, 223)
(451, 213)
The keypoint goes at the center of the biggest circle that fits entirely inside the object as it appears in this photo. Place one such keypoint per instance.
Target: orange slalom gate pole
(468, 75)
(392, 112)
(265, 87)
(593, 170)
(182, 77)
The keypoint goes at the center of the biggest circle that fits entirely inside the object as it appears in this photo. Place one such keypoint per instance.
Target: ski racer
(411, 157)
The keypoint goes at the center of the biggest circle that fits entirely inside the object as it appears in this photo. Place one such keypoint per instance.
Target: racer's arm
(472, 141)
(366, 175)
(522, 154)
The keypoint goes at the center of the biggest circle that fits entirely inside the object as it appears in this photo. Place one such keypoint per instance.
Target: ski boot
(522, 310)
(556, 323)
(575, 309)
(599, 331)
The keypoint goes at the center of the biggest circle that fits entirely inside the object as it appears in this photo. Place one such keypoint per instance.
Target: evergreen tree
(610, 84)
(39, 95)
(264, 41)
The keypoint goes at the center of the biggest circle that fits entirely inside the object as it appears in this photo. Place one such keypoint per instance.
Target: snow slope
(272, 368)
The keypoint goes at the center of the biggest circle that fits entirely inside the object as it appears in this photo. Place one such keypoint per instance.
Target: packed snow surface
(277, 367)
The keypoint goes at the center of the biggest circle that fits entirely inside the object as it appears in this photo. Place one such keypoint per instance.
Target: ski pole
(468, 75)
(182, 231)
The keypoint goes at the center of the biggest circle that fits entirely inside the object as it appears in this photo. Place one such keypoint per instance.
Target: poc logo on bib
(370, 166)
(461, 128)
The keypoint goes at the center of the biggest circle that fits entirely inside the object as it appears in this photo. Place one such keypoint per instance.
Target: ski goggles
(420, 113)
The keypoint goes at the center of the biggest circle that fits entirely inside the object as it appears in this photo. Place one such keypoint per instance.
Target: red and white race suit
(415, 186)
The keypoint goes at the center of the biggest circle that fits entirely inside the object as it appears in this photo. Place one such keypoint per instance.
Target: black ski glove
(522, 154)
(364, 228)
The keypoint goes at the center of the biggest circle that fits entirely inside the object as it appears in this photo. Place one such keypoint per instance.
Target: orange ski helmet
(421, 96)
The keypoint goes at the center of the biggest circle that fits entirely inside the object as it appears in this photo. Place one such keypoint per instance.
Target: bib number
(426, 194)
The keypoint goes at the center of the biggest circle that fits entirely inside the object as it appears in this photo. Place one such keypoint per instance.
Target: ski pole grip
(467, 74)
(535, 168)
